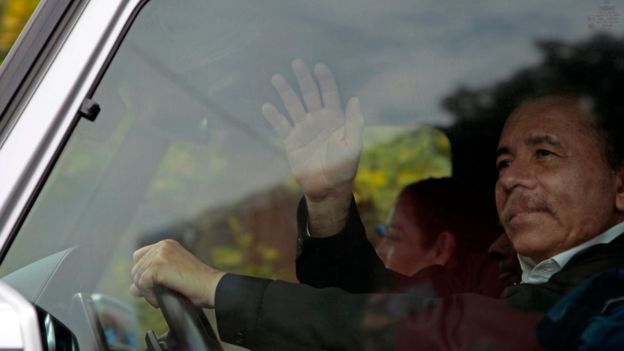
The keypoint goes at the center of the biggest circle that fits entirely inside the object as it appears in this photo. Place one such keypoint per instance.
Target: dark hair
(429, 203)
(593, 69)
(443, 204)
(606, 117)
(609, 127)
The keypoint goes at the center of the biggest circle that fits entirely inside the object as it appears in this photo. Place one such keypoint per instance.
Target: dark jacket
(262, 314)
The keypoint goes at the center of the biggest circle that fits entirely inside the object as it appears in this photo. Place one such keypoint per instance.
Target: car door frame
(71, 55)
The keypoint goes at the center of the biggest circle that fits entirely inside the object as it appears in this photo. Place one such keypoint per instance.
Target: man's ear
(444, 247)
(619, 189)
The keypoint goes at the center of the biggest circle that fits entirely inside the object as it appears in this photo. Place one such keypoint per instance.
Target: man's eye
(544, 153)
(502, 164)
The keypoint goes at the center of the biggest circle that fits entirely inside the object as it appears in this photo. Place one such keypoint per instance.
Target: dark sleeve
(346, 260)
(261, 315)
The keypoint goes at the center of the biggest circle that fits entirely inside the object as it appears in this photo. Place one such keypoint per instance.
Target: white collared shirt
(540, 273)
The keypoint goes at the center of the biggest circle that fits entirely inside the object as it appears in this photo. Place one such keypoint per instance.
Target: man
(560, 197)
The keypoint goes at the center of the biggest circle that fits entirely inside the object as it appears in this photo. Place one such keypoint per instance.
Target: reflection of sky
(212, 61)
(400, 56)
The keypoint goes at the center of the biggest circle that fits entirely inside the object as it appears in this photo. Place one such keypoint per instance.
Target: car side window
(181, 149)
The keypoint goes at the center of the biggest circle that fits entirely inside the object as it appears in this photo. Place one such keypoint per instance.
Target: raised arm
(323, 144)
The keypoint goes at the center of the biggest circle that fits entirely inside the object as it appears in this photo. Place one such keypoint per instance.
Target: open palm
(323, 143)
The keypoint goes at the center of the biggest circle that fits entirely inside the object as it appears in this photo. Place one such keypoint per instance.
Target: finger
(136, 272)
(289, 98)
(147, 279)
(141, 259)
(280, 124)
(354, 122)
(137, 263)
(309, 89)
(331, 98)
(141, 285)
(148, 296)
(135, 291)
(139, 253)
(150, 259)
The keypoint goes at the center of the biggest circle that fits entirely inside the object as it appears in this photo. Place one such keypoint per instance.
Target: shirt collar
(541, 272)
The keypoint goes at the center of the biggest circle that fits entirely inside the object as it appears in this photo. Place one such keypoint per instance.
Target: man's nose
(517, 174)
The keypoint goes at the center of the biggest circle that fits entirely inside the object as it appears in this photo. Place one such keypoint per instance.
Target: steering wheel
(188, 325)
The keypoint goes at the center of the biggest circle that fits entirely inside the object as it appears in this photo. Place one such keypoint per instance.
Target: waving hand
(323, 143)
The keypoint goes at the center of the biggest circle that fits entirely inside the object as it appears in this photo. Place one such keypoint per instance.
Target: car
(125, 122)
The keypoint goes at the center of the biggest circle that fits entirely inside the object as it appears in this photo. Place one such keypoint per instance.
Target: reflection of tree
(596, 65)
(387, 167)
(246, 254)
(254, 237)
(15, 13)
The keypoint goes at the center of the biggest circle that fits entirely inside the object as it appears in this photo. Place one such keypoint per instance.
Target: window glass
(181, 149)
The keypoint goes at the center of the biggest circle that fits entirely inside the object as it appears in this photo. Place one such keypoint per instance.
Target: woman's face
(402, 247)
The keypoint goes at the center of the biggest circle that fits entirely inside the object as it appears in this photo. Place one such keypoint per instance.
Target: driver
(559, 196)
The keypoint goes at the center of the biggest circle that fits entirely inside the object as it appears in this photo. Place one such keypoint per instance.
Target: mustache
(524, 203)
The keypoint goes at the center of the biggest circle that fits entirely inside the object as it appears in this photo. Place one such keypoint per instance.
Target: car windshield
(181, 149)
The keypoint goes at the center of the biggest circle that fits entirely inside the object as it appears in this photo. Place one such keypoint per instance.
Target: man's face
(555, 189)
